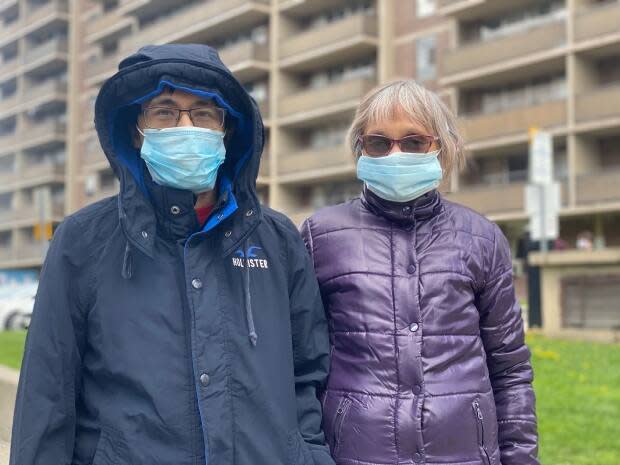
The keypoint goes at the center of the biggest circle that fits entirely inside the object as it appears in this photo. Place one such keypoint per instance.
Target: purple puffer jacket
(429, 364)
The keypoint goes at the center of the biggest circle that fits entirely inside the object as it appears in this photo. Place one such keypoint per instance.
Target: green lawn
(577, 388)
(11, 348)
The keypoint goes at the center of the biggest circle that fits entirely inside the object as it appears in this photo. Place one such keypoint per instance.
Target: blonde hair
(422, 106)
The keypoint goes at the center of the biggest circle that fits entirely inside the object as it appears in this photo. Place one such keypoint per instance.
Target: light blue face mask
(400, 177)
(184, 157)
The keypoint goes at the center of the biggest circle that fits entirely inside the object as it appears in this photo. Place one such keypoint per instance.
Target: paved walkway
(4, 453)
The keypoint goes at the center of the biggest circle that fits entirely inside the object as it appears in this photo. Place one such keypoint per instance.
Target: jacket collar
(422, 208)
(142, 219)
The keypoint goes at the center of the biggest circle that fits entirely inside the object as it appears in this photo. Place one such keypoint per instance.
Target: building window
(426, 58)
(426, 7)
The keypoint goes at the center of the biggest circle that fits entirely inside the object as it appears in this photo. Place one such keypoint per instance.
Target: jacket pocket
(298, 452)
(111, 448)
(339, 421)
(479, 418)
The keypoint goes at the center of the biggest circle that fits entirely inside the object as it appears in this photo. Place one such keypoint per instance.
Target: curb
(8, 390)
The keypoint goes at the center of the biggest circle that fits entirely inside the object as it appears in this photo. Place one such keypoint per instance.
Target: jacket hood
(192, 68)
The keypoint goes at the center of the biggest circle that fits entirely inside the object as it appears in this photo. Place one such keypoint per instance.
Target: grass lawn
(577, 388)
(11, 348)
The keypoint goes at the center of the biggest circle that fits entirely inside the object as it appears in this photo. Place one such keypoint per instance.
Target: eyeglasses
(376, 145)
(167, 117)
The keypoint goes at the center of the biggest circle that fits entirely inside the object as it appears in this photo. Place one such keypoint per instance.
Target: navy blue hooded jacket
(157, 342)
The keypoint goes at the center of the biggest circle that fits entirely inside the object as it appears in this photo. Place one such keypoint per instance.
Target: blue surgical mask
(184, 157)
(400, 177)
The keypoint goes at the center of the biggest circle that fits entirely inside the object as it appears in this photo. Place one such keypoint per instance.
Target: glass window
(426, 58)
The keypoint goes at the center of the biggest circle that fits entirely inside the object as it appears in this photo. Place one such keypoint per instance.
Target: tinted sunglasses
(377, 145)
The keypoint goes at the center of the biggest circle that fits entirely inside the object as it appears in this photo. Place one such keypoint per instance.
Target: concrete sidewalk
(8, 390)
(4, 453)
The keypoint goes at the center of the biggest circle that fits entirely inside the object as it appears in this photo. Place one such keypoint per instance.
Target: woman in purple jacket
(428, 359)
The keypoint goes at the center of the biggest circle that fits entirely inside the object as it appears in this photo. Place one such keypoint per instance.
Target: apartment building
(504, 66)
(307, 63)
(33, 103)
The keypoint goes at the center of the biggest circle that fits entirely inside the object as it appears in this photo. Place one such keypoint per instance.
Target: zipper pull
(478, 411)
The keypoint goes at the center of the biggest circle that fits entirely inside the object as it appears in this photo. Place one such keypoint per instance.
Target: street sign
(543, 203)
(541, 157)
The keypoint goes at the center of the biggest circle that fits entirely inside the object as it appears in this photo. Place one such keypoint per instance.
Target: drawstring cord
(248, 298)
(127, 270)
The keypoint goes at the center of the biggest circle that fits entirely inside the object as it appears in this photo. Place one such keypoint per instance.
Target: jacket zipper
(341, 413)
(480, 430)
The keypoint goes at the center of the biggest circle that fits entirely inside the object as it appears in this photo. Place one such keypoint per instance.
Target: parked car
(16, 304)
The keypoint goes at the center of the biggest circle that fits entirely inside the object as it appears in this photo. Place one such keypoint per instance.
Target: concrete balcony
(598, 104)
(315, 163)
(102, 69)
(6, 4)
(8, 68)
(509, 51)
(95, 158)
(44, 171)
(9, 141)
(513, 122)
(7, 177)
(109, 26)
(49, 51)
(7, 104)
(30, 252)
(199, 22)
(316, 103)
(494, 200)
(51, 10)
(456, 7)
(247, 60)
(9, 31)
(263, 107)
(46, 91)
(598, 21)
(42, 133)
(305, 8)
(264, 168)
(598, 188)
(350, 38)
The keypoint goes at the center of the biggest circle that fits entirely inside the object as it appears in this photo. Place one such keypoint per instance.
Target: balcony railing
(514, 122)
(359, 26)
(42, 170)
(47, 11)
(598, 21)
(7, 103)
(470, 57)
(597, 188)
(247, 59)
(492, 200)
(313, 160)
(600, 103)
(51, 88)
(107, 25)
(48, 49)
(177, 25)
(321, 98)
(102, 68)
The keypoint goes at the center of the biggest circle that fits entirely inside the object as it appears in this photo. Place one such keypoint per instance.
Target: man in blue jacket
(180, 322)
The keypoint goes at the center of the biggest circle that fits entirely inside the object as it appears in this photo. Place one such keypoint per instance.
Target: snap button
(417, 389)
(204, 379)
(411, 269)
(413, 327)
(227, 233)
(249, 213)
(220, 216)
(417, 457)
(407, 210)
(196, 283)
(145, 234)
(175, 210)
